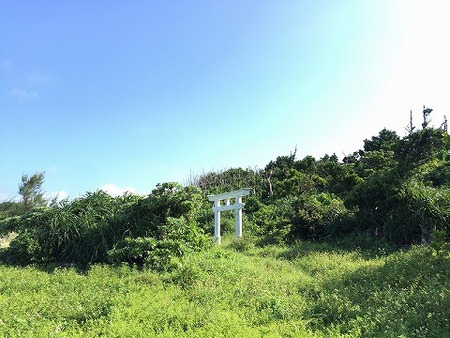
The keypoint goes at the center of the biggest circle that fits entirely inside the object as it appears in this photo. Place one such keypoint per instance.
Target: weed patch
(273, 291)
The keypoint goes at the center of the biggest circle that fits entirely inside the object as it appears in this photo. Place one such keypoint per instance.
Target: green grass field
(236, 290)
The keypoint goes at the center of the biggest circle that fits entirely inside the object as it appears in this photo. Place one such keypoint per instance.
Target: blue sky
(127, 94)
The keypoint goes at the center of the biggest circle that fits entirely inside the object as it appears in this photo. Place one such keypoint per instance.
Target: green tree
(421, 147)
(31, 191)
(386, 140)
(296, 183)
(374, 161)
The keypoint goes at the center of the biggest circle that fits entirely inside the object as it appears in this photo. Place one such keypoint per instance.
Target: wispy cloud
(23, 94)
(25, 85)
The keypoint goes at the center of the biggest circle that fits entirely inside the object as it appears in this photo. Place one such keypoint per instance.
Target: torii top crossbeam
(231, 194)
(237, 206)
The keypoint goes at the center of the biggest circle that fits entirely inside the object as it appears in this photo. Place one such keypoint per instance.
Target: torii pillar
(237, 207)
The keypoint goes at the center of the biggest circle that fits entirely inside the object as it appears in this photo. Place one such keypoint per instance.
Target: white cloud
(23, 94)
(113, 190)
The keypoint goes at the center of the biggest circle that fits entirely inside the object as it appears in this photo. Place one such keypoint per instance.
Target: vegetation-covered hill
(394, 191)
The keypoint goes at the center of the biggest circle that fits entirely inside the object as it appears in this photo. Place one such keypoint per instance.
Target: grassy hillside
(236, 290)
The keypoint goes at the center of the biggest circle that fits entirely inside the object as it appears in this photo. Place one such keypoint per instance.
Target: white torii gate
(237, 207)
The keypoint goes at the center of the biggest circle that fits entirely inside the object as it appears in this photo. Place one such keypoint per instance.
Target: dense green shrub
(440, 245)
(9, 224)
(11, 208)
(401, 211)
(438, 173)
(132, 250)
(319, 215)
(307, 216)
(86, 229)
(421, 147)
(270, 222)
(425, 208)
(78, 231)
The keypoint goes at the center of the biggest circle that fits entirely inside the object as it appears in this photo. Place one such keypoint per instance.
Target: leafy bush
(98, 227)
(242, 244)
(9, 224)
(320, 215)
(132, 250)
(440, 245)
(312, 216)
(401, 211)
(270, 223)
(425, 208)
